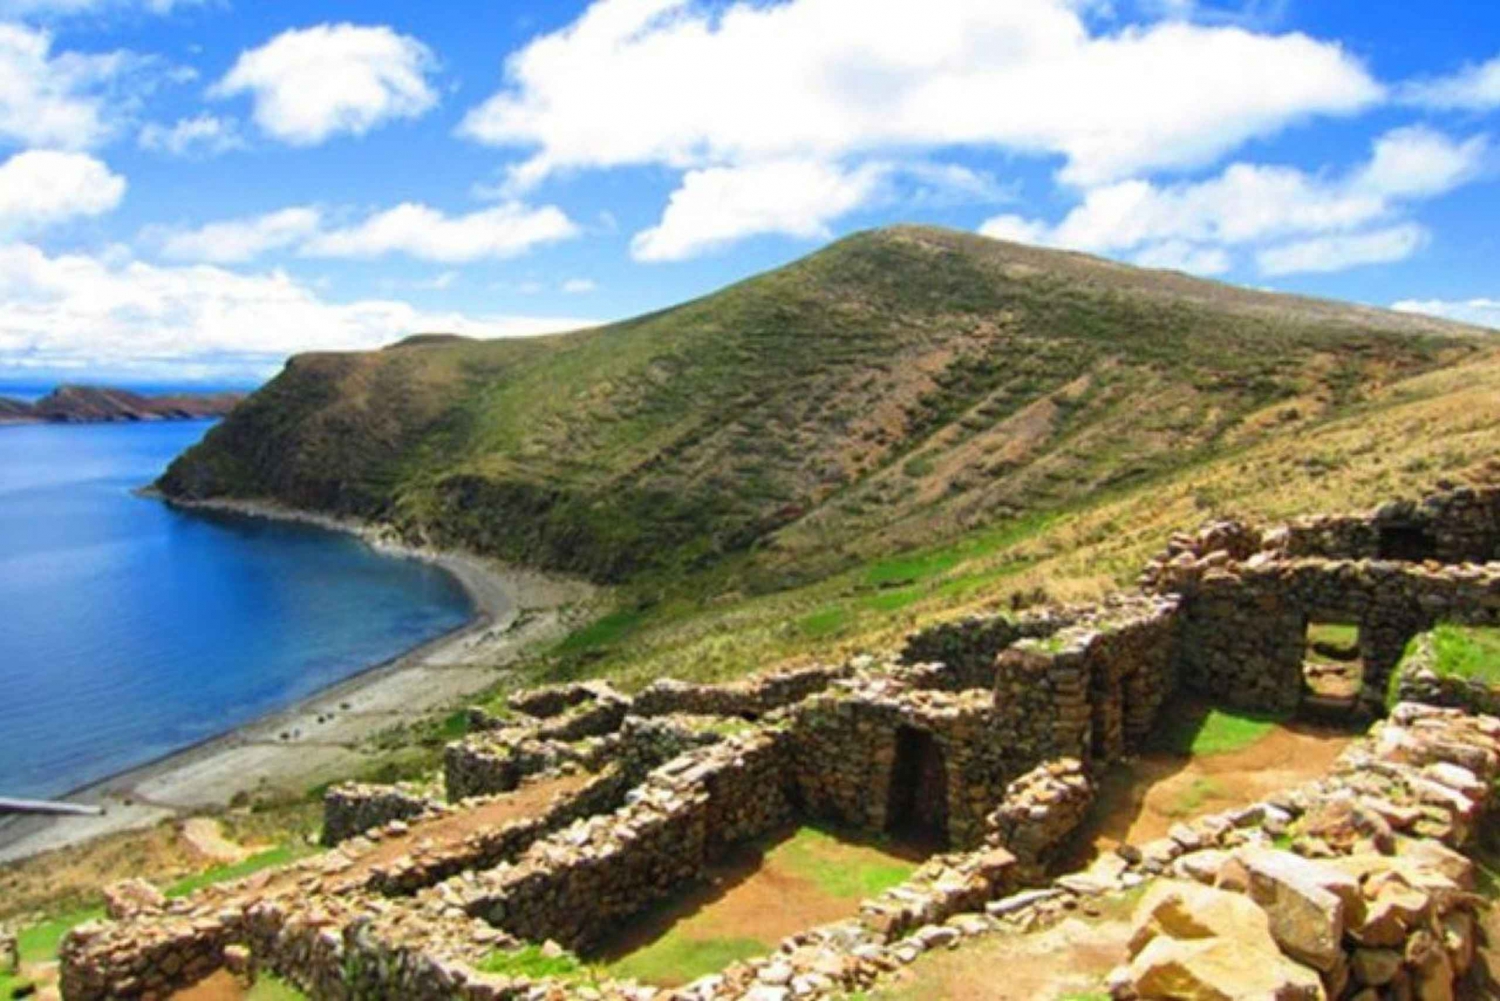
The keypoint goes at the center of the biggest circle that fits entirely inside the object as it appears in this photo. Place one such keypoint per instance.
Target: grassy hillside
(900, 385)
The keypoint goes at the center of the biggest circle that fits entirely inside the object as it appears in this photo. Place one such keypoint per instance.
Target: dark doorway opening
(1406, 542)
(918, 805)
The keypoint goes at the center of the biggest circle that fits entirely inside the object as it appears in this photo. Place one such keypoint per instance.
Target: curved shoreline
(317, 737)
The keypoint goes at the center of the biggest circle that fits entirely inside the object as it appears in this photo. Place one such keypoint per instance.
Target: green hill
(897, 388)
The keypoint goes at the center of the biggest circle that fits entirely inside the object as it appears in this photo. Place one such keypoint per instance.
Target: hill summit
(901, 385)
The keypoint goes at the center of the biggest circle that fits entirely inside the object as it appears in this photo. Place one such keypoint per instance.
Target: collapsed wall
(992, 755)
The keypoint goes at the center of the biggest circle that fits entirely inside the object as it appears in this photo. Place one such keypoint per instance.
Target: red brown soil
(222, 986)
(1142, 800)
(755, 894)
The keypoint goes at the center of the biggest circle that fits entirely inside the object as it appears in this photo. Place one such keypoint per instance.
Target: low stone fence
(488, 763)
(967, 648)
(353, 808)
(427, 865)
(576, 886)
(749, 699)
(1461, 525)
(547, 701)
(1417, 680)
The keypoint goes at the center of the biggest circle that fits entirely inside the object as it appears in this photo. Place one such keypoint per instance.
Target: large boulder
(1310, 904)
(1186, 910)
(1218, 969)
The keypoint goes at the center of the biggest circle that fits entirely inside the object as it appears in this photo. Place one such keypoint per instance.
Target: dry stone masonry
(984, 741)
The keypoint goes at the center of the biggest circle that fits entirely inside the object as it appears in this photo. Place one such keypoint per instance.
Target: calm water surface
(129, 630)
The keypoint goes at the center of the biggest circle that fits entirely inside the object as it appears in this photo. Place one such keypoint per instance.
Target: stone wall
(353, 808)
(846, 750)
(1461, 525)
(1416, 680)
(1040, 812)
(966, 648)
(1088, 692)
(1244, 625)
(749, 699)
(576, 886)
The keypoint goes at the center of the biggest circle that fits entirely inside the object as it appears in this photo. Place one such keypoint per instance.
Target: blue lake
(129, 630)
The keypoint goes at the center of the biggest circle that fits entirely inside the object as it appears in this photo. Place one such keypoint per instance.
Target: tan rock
(1187, 911)
(1375, 967)
(1309, 904)
(130, 897)
(1219, 969)
(1390, 916)
(1432, 855)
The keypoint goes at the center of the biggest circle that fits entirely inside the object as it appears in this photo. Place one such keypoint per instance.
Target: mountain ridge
(78, 404)
(897, 386)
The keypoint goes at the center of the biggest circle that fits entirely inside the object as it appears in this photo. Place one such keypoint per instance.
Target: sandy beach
(321, 737)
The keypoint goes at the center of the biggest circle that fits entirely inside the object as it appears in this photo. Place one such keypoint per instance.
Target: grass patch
(238, 870)
(824, 623)
(854, 877)
(272, 988)
(531, 962)
(892, 601)
(39, 943)
(1468, 652)
(1215, 731)
(1332, 634)
(601, 633)
(677, 959)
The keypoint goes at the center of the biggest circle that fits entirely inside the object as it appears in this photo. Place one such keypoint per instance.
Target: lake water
(129, 630)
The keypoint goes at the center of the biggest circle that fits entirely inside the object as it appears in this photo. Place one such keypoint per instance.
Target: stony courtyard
(978, 771)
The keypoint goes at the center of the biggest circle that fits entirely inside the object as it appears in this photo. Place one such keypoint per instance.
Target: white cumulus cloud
(1473, 88)
(722, 204)
(698, 85)
(54, 100)
(1481, 311)
(114, 312)
(428, 234)
(41, 187)
(415, 230)
(1337, 253)
(1191, 223)
(201, 135)
(310, 84)
(238, 240)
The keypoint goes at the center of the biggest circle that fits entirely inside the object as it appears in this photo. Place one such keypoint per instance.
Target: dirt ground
(1069, 960)
(760, 894)
(1141, 800)
(219, 987)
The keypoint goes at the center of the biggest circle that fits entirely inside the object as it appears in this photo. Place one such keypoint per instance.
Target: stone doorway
(917, 808)
(1333, 671)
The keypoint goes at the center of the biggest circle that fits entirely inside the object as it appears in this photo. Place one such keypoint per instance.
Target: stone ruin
(983, 738)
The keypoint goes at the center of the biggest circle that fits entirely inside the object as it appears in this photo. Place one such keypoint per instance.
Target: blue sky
(193, 189)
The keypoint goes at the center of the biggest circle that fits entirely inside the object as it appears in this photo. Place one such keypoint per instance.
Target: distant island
(98, 404)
